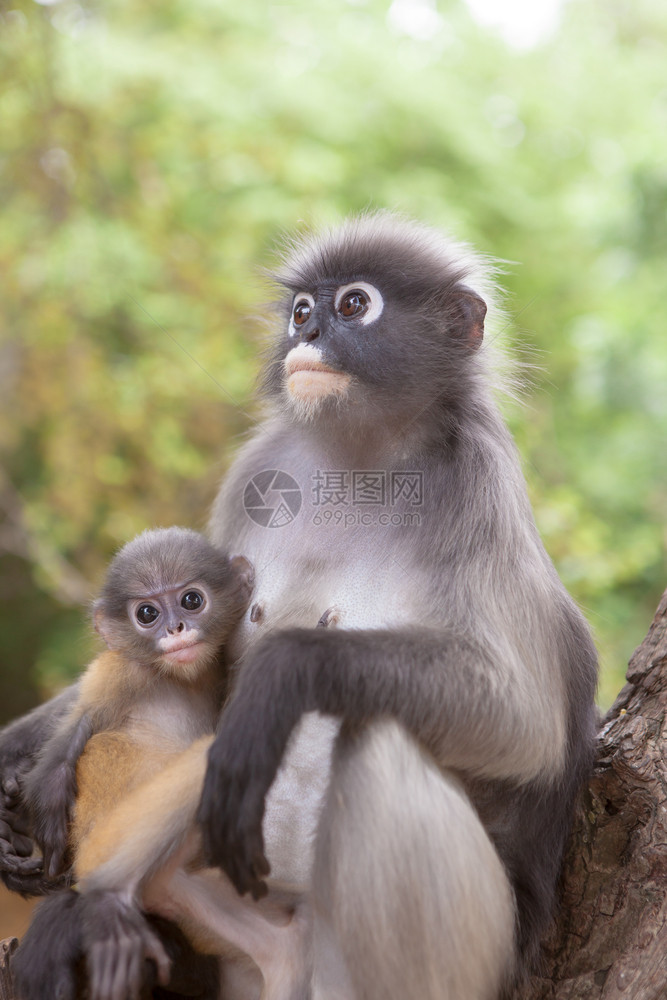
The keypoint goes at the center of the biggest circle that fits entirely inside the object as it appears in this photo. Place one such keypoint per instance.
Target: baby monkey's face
(176, 622)
(186, 624)
(171, 600)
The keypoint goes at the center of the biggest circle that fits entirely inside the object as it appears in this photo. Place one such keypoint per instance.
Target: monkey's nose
(175, 628)
(310, 335)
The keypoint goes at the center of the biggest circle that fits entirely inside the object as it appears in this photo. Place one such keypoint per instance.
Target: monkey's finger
(31, 885)
(18, 844)
(23, 845)
(16, 819)
(115, 976)
(258, 890)
(111, 964)
(21, 866)
(97, 961)
(244, 875)
(260, 865)
(12, 863)
(6, 831)
(130, 987)
(54, 862)
(125, 976)
(10, 788)
(154, 951)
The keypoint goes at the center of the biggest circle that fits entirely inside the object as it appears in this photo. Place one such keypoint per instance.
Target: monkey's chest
(350, 593)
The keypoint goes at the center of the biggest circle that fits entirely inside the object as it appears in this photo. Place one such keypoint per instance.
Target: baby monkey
(169, 602)
(168, 605)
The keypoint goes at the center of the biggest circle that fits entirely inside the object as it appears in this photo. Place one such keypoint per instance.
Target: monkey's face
(362, 350)
(171, 600)
(377, 326)
(322, 327)
(174, 623)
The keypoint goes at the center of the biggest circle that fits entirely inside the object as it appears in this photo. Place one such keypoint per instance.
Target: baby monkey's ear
(104, 626)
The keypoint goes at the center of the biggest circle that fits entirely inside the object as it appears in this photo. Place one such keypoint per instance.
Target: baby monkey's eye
(355, 303)
(192, 601)
(146, 614)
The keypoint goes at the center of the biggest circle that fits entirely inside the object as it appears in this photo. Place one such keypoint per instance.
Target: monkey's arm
(51, 789)
(471, 711)
(20, 743)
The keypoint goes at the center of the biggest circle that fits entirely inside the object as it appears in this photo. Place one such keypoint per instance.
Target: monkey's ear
(469, 313)
(245, 573)
(102, 624)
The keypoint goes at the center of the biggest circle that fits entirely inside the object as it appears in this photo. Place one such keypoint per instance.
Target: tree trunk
(609, 940)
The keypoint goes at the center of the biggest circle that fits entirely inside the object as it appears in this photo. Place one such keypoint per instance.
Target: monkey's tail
(49, 962)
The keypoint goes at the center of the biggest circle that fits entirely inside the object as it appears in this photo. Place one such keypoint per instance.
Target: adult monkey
(462, 672)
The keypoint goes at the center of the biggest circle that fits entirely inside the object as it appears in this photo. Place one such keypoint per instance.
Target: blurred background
(152, 153)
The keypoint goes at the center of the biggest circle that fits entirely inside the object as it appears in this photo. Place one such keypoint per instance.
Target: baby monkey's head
(171, 599)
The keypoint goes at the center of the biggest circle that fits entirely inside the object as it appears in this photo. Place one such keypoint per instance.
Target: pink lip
(297, 364)
(184, 652)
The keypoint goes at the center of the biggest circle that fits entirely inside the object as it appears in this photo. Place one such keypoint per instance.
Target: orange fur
(110, 767)
(148, 784)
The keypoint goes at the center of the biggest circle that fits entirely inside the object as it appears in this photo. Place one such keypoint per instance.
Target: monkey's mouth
(182, 650)
(309, 378)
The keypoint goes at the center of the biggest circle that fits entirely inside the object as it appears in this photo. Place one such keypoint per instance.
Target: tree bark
(7, 948)
(609, 939)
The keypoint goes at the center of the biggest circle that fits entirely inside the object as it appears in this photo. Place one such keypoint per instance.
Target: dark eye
(302, 311)
(192, 601)
(146, 614)
(353, 304)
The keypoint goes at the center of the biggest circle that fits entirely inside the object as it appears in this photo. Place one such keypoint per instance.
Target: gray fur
(459, 630)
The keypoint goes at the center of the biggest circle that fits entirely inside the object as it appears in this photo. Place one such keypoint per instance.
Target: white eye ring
(292, 330)
(375, 300)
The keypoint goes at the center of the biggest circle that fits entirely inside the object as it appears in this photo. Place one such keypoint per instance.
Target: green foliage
(152, 152)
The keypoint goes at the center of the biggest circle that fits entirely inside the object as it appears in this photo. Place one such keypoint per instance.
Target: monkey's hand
(51, 799)
(20, 743)
(51, 791)
(119, 943)
(18, 870)
(231, 813)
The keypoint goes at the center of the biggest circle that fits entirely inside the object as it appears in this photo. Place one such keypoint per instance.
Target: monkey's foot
(118, 942)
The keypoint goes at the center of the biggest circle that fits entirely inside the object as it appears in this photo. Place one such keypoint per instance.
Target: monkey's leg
(274, 932)
(410, 897)
(136, 857)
